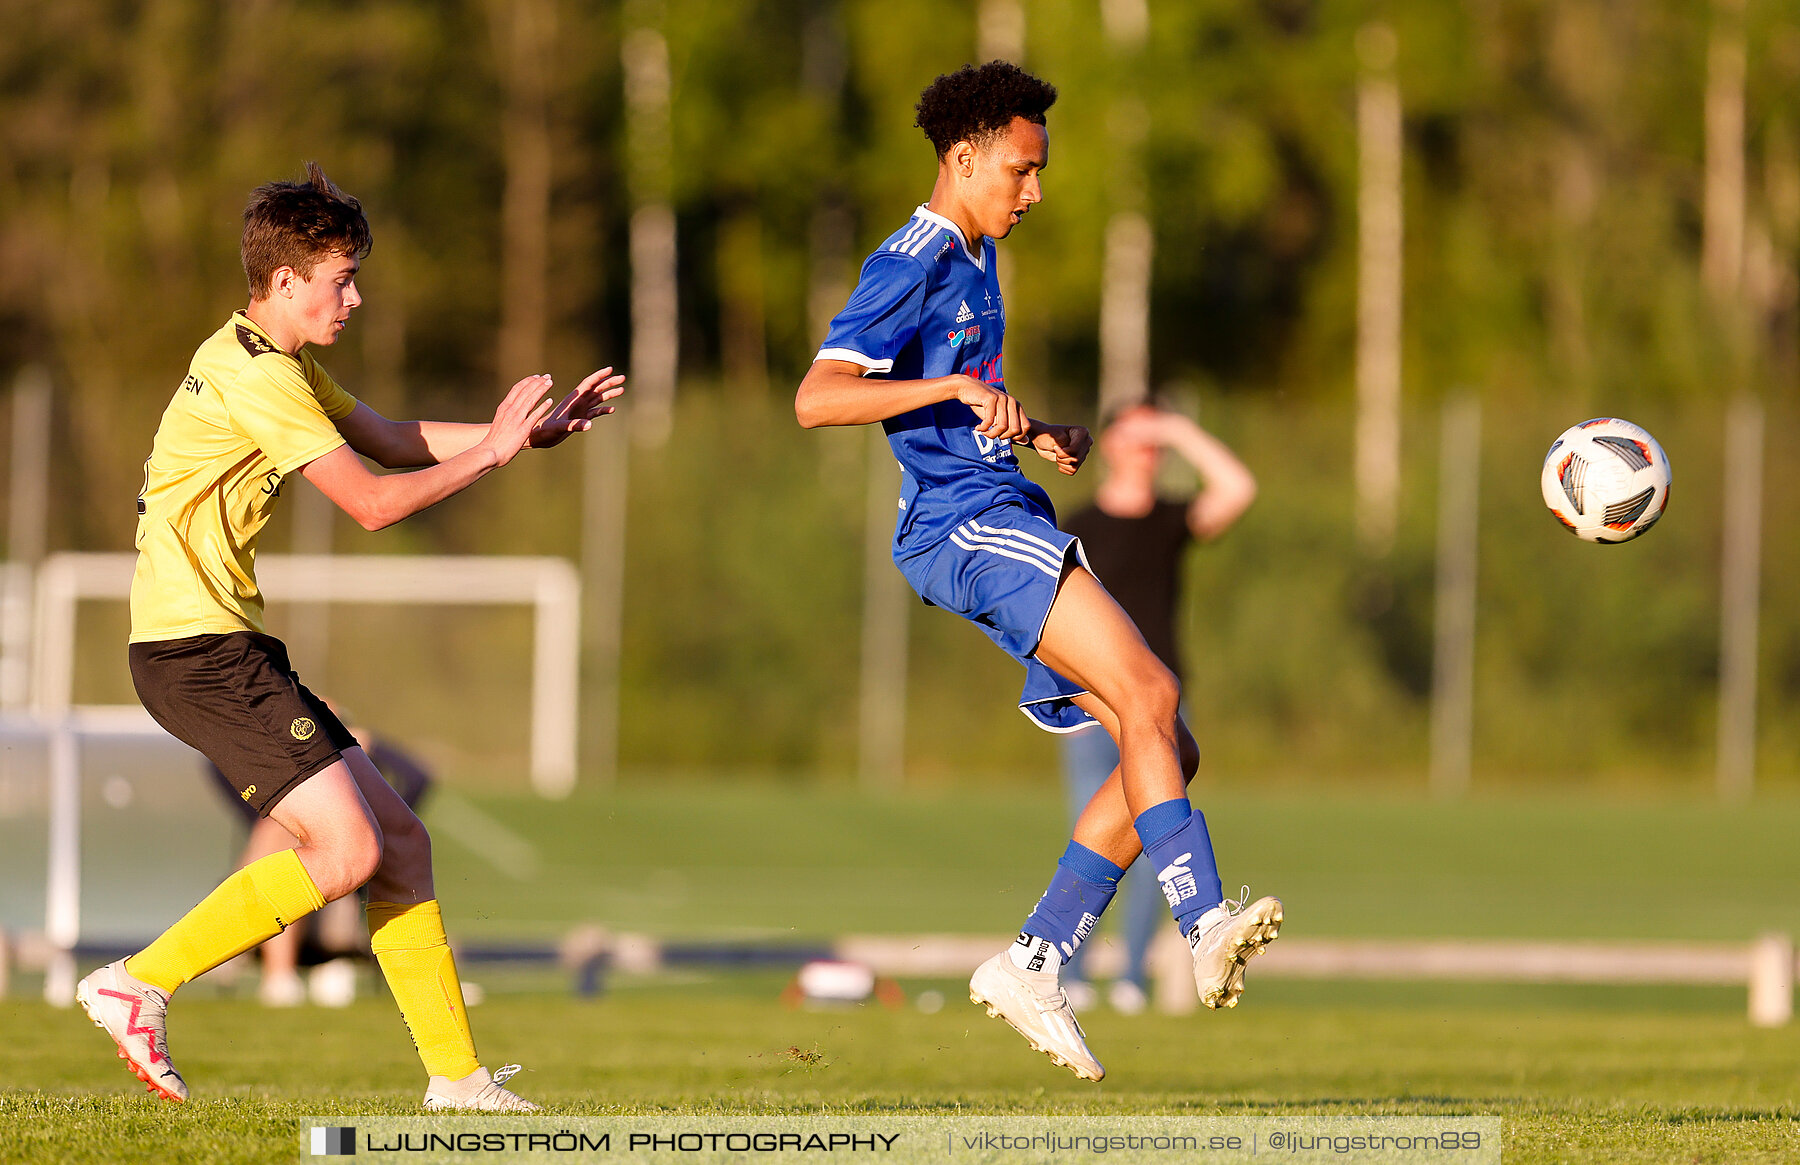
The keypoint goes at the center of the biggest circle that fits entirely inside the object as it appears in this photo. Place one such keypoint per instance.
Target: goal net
(108, 826)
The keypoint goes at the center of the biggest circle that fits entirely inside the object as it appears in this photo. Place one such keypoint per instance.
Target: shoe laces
(1058, 1004)
(494, 1094)
(1232, 908)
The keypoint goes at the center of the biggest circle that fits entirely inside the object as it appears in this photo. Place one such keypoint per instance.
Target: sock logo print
(1178, 881)
(1084, 928)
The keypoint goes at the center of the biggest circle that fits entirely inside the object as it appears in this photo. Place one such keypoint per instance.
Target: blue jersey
(927, 306)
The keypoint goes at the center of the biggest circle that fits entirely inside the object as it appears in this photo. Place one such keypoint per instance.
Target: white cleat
(1224, 939)
(477, 1092)
(1034, 1004)
(135, 1015)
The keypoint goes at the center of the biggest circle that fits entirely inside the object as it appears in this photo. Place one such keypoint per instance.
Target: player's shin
(253, 905)
(1180, 851)
(1081, 888)
(415, 957)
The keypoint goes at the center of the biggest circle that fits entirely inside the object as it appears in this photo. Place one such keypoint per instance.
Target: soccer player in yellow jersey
(254, 409)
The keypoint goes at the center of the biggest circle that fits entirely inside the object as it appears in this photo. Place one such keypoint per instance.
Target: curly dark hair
(977, 102)
(296, 224)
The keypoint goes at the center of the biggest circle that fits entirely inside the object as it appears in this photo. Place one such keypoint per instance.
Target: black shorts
(236, 699)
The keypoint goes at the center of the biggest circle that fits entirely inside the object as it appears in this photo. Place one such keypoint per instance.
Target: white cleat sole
(1254, 928)
(1056, 1057)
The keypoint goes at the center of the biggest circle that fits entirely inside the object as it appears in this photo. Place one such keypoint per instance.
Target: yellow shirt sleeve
(331, 395)
(286, 408)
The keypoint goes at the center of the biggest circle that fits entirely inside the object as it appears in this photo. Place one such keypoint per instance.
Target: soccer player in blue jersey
(918, 348)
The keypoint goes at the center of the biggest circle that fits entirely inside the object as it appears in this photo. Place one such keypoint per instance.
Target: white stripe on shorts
(1009, 549)
(1017, 539)
(957, 538)
(1054, 550)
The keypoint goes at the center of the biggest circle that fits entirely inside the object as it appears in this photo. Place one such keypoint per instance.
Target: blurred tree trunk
(655, 306)
(1722, 240)
(832, 231)
(1572, 202)
(1000, 31)
(1722, 274)
(1379, 281)
(1130, 243)
(524, 34)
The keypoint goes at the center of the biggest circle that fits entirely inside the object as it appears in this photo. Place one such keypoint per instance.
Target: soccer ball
(1606, 480)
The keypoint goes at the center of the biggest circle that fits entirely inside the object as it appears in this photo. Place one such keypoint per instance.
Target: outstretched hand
(517, 418)
(575, 413)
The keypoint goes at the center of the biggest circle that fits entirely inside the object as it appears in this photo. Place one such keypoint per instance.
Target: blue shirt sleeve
(882, 316)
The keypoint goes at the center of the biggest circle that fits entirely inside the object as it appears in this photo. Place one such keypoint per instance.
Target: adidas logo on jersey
(963, 314)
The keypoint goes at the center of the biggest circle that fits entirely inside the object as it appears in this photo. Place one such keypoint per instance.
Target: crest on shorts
(302, 728)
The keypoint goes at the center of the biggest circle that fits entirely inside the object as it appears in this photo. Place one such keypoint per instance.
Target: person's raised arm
(1227, 485)
(377, 500)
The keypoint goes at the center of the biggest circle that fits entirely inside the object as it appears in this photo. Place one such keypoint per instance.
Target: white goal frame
(551, 586)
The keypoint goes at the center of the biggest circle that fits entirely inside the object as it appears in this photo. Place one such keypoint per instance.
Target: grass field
(766, 860)
(1576, 1074)
(1572, 1079)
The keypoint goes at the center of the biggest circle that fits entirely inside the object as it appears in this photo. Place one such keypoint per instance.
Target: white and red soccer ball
(1606, 480)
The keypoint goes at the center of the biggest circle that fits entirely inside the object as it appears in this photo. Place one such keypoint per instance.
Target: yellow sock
(409, 943)
(253, 905)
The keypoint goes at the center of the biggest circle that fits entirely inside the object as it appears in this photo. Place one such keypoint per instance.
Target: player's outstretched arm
(835, 392)
(377, 501)
(412, 444)
(1065, 446)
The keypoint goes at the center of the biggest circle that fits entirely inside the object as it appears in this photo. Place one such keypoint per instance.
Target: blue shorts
(1000, 571)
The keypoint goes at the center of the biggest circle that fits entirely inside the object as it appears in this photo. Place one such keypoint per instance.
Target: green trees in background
(1554, 196)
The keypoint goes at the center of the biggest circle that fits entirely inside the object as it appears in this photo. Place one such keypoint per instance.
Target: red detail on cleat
(150, 1085)
(131, 1025)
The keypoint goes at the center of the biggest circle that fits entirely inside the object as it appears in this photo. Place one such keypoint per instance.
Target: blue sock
(1083, 884)
(1180, 852)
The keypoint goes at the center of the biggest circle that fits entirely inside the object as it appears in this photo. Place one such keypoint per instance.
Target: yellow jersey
(246, 417)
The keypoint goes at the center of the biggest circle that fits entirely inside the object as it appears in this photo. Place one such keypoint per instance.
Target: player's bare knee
(1152, 697)
(350, 861)
(369, 856)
